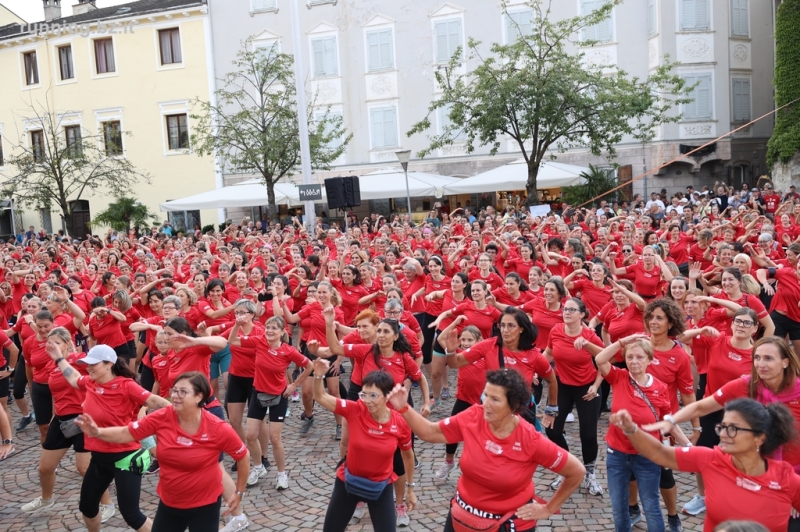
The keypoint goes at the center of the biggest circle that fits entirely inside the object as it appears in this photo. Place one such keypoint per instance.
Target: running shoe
(265, 463)
(256, 473)
(402, 515)
(445, 393)
(338, 436)
(443, 472)
(570, 418)
(417, 463)
(295, 374)
(590, 482)
(695, 506)
(306, 426)
(295, 397)
(154, 467)
(415, 384)
(107, 511)
(235, 524)
(635, 513)
(674, 522)
(283, 480)
(435, 404)
(361, 509)
(556, 483)
(24, 422)
(38, 504)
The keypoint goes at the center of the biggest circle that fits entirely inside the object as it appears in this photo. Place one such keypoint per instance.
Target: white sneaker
(695, 506)
(295, 397)
(236, 524)
(402, 515)
(570, 418)
(256, 473)
(107, 511)
(283, 480)
(38, 504)
(443, 472)
(556, 483)
(590, 482)
(361, 509)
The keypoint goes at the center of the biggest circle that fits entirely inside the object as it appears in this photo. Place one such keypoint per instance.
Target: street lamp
(8, 188)
(403, 156)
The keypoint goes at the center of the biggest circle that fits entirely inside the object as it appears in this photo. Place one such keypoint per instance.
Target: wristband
(551, 411)
(58, 360)
(697, 429)
(403, 410)
(635, 429)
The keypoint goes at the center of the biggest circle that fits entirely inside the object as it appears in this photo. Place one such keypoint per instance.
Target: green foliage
(785, 140)
(125, 214)
(207, 229)
(56, 174)
(539, 93)
(599, 183)
(254, 125)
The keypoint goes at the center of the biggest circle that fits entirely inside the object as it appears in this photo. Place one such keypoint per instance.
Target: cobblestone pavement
(301, 508)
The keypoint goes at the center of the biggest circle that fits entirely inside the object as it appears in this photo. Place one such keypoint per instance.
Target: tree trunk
(530, 186)
(272, 209)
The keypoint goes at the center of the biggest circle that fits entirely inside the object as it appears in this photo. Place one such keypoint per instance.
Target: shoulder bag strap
(644, 396)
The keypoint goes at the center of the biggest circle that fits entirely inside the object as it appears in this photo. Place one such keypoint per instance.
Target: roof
(142, 7)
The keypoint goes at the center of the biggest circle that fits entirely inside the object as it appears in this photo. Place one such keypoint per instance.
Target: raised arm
(424, 429)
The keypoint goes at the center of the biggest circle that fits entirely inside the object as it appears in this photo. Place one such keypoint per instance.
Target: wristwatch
(411, 484)
(8, 442)
(669, 418)
(240, 494)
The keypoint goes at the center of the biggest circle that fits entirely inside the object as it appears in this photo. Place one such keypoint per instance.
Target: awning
(514, 176)
(252, 193)
(391, 183)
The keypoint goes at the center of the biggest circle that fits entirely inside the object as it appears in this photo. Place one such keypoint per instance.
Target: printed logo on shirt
(135, 425)
(747, 484)
(559, 458)
(204, 437)
(375, 432)
(719, 393)
(671, 360)
(187, 442)
(517, 446)
(344, 403)
(272, 352)
(492, 447)
(655, 362)
(447, 421)
(774, 485)
(510, 361)
(114, 386)
(99, 391)
(685, 449)
(734, 356)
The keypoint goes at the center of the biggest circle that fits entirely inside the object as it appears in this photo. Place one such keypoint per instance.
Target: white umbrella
(514, 176)
(391, 183)
(250, 193)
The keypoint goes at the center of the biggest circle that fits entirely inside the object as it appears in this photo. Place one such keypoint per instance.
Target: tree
(254, 125)
(125, 214)
(59, 163)
(546, 98)
(785, 140)
(599, 183)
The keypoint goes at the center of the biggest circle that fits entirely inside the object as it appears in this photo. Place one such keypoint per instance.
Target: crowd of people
(672, 326)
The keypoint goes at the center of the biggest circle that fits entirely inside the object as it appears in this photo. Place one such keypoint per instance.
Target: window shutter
(688, 18)
(739, 18)
(454, 37)
(605, 30)
(373, 43)
(702, 14)
(319, 58)
(689, 109)
(703, 96)
(389, 127)
(376, 116)
(386, 49)
(525, 21)
(331, 66)
(442, 48)
(741, 100)
(652, 17)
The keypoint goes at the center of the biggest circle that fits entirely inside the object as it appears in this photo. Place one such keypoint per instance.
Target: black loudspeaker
(343, 192)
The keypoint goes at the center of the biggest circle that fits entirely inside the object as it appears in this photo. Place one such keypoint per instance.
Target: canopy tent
(250, 193)
(391, 183)
(514, 176)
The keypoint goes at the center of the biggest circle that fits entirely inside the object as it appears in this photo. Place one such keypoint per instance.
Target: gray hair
(124, 299)
(175, 300)
(248, 305)
(393, 304)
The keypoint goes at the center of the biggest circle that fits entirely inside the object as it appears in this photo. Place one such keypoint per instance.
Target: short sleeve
(230, 442)
(358, 351)
(735, 389)
(616, 375)
(346, 409)
(451, 426)
(136, 393)
(475, 353)
(412, 369)
(541, 366)
(547, 453)
(693, 459)
(5, 341)
(404, 440)
(148, 425)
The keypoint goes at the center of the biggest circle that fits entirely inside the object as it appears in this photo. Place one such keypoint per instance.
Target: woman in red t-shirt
(105, 327)
(190, 440)
(784, 309)
(743, 484)
(112, 399)
(593, 287)
(351, 292)
(501, 453)
(478, 311)
(646, 273)
(215, 307)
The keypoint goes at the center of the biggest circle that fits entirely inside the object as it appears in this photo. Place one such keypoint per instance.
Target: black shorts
(55, 440)
(122, 351)
(708, 438)
(42, 401)
(785, 325)
(4, 383)
(352, 391)
(398, 466)
(239, 389)
(329, 374)
(277, 413)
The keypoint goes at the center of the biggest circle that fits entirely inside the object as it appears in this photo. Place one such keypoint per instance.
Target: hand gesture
(534, 511)
(695, 271)
(591, 393)
(53, 350)
(624, 421)
(329, 314)
(87, 425)
(321, 366)
(398, 397)
(313, 346)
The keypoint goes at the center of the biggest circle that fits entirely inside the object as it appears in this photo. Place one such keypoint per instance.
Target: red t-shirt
(434, 306)
(697, 254)
(107, 331)
(494, 281)
(271, 363)
(399, 365)
(205, 306)
(771, 202)
(732, 495)
(314, 322)
(725, 362)
(543, 318)
(448, 303)
(621, 323)
(594, 298)
(787, 294)
(496, 474)
(160, 366)
(243, 359)
(527, 363)
(626, 397)
(483, 319)
(66, 399)
(190, 476)
(673, 368)
(131, 316)
(645, 282)
(573, 367)
(196, 358)
(409, 288)
(350, 296)
(502, 296)
(471, 382)
(35, 353)
(375, 440)
(113, 404)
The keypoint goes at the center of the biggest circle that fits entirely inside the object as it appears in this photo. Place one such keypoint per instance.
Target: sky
(33, 10)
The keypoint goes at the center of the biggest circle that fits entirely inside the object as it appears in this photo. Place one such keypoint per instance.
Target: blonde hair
(277, 320)
(642, 343)
(62, 334)
(336, 299)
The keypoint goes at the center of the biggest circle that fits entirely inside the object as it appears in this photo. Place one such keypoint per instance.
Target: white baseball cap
(100, 353)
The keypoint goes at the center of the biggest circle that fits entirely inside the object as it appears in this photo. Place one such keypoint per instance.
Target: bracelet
(58, 360)
(449, 353)
(670, 419)
(551, 411)
(403, 410)
(635, 429)
(697, 429)
(411, 484)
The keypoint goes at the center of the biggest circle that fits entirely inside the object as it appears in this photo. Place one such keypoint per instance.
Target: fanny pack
(362, 487)
(68, 428)
(267, 399)
(137, 462)
(465, 521)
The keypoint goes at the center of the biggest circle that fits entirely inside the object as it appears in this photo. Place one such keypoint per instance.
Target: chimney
(52, 9)
(84, 6)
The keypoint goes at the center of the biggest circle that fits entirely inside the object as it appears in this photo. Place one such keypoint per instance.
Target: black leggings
(200, 519)
(588, 414)
(458, 406)
(20, 379)
(148, 378)
(98, 478)
(342, 506)
(427, 335)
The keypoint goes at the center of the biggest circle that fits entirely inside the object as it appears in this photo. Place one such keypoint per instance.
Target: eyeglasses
(372, 396)
(570, 310)
(180, 392)
(393, 312)
(169, 307)
(244, 313)
(731, 430)
(627, 251)
(743, 323)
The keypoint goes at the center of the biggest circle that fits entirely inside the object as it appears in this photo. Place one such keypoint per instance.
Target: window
(262, 5)
(65, 62)
(37, 145)
(335, 143)
(2, 163)
(112, 137)
(603, 30)
(325, 63)
(379, 48)
(695, 15)
(73, 135)
(384, 127)
(701, 107)
(652, 17)
(267, 50)
(448, 39)
(740, 23)
(518, 23)
(104, 56)
(31, 68)
(445, 122)
(170, 44)
(177, 132)
(741, 100)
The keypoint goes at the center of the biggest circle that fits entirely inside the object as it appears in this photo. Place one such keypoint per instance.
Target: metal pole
(408, 193)
(13, 219)
(302, 116)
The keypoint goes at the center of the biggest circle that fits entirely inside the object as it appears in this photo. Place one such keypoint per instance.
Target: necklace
(192, 423)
